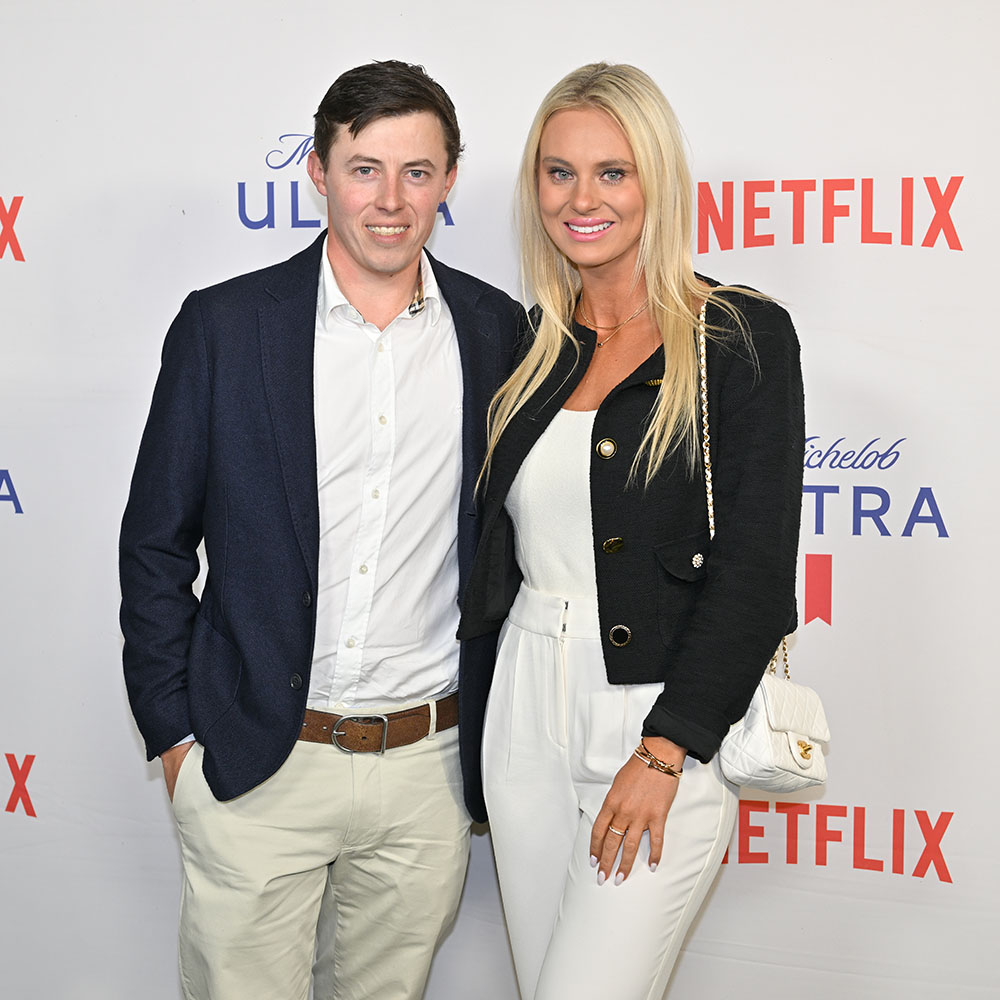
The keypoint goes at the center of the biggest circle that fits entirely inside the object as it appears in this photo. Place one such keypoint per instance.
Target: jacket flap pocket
(685, 558)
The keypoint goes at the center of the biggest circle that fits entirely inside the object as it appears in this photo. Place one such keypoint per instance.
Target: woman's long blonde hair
(635, 102)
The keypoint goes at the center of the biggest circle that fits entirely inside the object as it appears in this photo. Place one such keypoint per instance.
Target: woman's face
(588, 190)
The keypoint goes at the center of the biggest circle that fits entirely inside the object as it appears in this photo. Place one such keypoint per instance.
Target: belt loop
(432, 707)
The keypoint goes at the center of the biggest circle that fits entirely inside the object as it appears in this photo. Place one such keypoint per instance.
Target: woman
(624, 620)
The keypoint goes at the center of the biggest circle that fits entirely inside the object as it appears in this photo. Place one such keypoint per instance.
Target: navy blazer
(701, 616)
(228, 456)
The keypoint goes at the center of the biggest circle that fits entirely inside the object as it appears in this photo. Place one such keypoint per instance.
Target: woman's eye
(614, 175)
(558, 174)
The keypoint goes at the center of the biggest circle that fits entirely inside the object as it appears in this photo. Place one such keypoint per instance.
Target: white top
(388, 412)
(549, 503)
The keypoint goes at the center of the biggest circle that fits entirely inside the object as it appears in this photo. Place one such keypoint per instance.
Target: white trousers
(355, 861)
(556, 735)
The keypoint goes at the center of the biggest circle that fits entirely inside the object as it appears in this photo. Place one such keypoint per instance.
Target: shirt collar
(330, 296)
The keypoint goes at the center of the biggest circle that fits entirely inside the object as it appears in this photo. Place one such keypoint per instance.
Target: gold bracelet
(651, 760)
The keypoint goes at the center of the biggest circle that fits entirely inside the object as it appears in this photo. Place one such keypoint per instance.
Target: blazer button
(607, 447)
(613, 545)
(295, 681)
(620, 635)
(306, 599)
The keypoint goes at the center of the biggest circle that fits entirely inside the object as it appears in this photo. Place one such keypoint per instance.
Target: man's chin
(392, 261)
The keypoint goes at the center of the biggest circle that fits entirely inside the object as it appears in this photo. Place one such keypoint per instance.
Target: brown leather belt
(378, 733)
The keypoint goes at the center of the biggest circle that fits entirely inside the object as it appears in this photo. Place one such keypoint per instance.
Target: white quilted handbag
(776, 746)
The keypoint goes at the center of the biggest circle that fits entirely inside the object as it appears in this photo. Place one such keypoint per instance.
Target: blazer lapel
(478, 338)
(287, 319)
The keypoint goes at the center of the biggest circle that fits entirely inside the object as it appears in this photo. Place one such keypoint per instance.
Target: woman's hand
(639, 799)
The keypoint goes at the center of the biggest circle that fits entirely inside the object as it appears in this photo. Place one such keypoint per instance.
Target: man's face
(382, 189)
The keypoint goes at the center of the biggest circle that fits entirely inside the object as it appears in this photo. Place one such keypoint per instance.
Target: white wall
(126, 131)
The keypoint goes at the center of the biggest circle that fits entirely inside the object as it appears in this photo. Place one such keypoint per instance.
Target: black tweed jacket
(702, 616)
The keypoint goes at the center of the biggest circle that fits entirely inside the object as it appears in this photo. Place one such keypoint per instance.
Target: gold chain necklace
(614, 328)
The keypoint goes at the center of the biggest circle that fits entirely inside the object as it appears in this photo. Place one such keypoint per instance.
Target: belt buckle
(362, 719)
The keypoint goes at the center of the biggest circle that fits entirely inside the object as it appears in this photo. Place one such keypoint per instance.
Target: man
(320, 424)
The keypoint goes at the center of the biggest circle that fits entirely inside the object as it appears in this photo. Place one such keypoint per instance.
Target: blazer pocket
(214, 670)
(685, 558)
(682, 565)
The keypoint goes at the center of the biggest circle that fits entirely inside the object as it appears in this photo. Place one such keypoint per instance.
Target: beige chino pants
(354, 862)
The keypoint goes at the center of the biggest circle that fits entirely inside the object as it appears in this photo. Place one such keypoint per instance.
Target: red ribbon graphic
(819, 588)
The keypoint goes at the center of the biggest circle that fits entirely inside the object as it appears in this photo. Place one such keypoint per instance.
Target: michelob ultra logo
(862, 508)
(868, 508)
(274, 203)
(7, 492)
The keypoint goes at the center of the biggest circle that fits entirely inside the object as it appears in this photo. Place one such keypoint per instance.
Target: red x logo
(7, 236)
(20, 775)
(941, 223)
(933, 832)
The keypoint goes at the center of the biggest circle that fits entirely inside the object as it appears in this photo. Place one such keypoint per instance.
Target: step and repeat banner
(845, 162)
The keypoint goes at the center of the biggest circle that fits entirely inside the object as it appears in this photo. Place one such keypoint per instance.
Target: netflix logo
(828, 210)
(830, 834)
(19, 771)
(8, 238)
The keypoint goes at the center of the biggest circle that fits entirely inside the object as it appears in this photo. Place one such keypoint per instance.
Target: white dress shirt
(388, 414)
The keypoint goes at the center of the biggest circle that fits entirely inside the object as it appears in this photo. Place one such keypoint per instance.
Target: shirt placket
(353, 638)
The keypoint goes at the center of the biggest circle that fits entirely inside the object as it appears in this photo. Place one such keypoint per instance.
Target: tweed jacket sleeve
(746, 601)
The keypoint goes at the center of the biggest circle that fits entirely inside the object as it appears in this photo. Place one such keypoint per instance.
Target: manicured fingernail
(593, 861)
(601, 878)
(619, 878)
(652, 866)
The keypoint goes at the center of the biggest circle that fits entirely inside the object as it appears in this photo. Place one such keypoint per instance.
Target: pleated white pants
(556, 735)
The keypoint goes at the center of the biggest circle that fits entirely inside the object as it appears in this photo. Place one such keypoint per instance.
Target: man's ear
(316, 173)
(449, 181)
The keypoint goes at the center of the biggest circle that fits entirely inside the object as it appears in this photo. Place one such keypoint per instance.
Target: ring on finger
(617, 833)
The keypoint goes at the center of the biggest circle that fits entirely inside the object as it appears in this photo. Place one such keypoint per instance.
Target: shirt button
(362, 568)
(607, 447)
(383, 419)
(613, 545)
(306, 599)
(375, 494)
(381, 347)
(295, 681)
(351, 642)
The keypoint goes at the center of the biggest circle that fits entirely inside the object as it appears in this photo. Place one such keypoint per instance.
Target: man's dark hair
(383, 90)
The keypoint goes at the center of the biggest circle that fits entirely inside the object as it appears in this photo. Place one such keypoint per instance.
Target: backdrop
(843, 154)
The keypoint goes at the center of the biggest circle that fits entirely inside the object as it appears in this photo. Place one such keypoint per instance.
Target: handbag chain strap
(706, 454)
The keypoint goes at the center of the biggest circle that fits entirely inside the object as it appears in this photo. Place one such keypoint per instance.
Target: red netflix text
(8, 238)
(19, 797)
(825, 833)
(832, 202)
